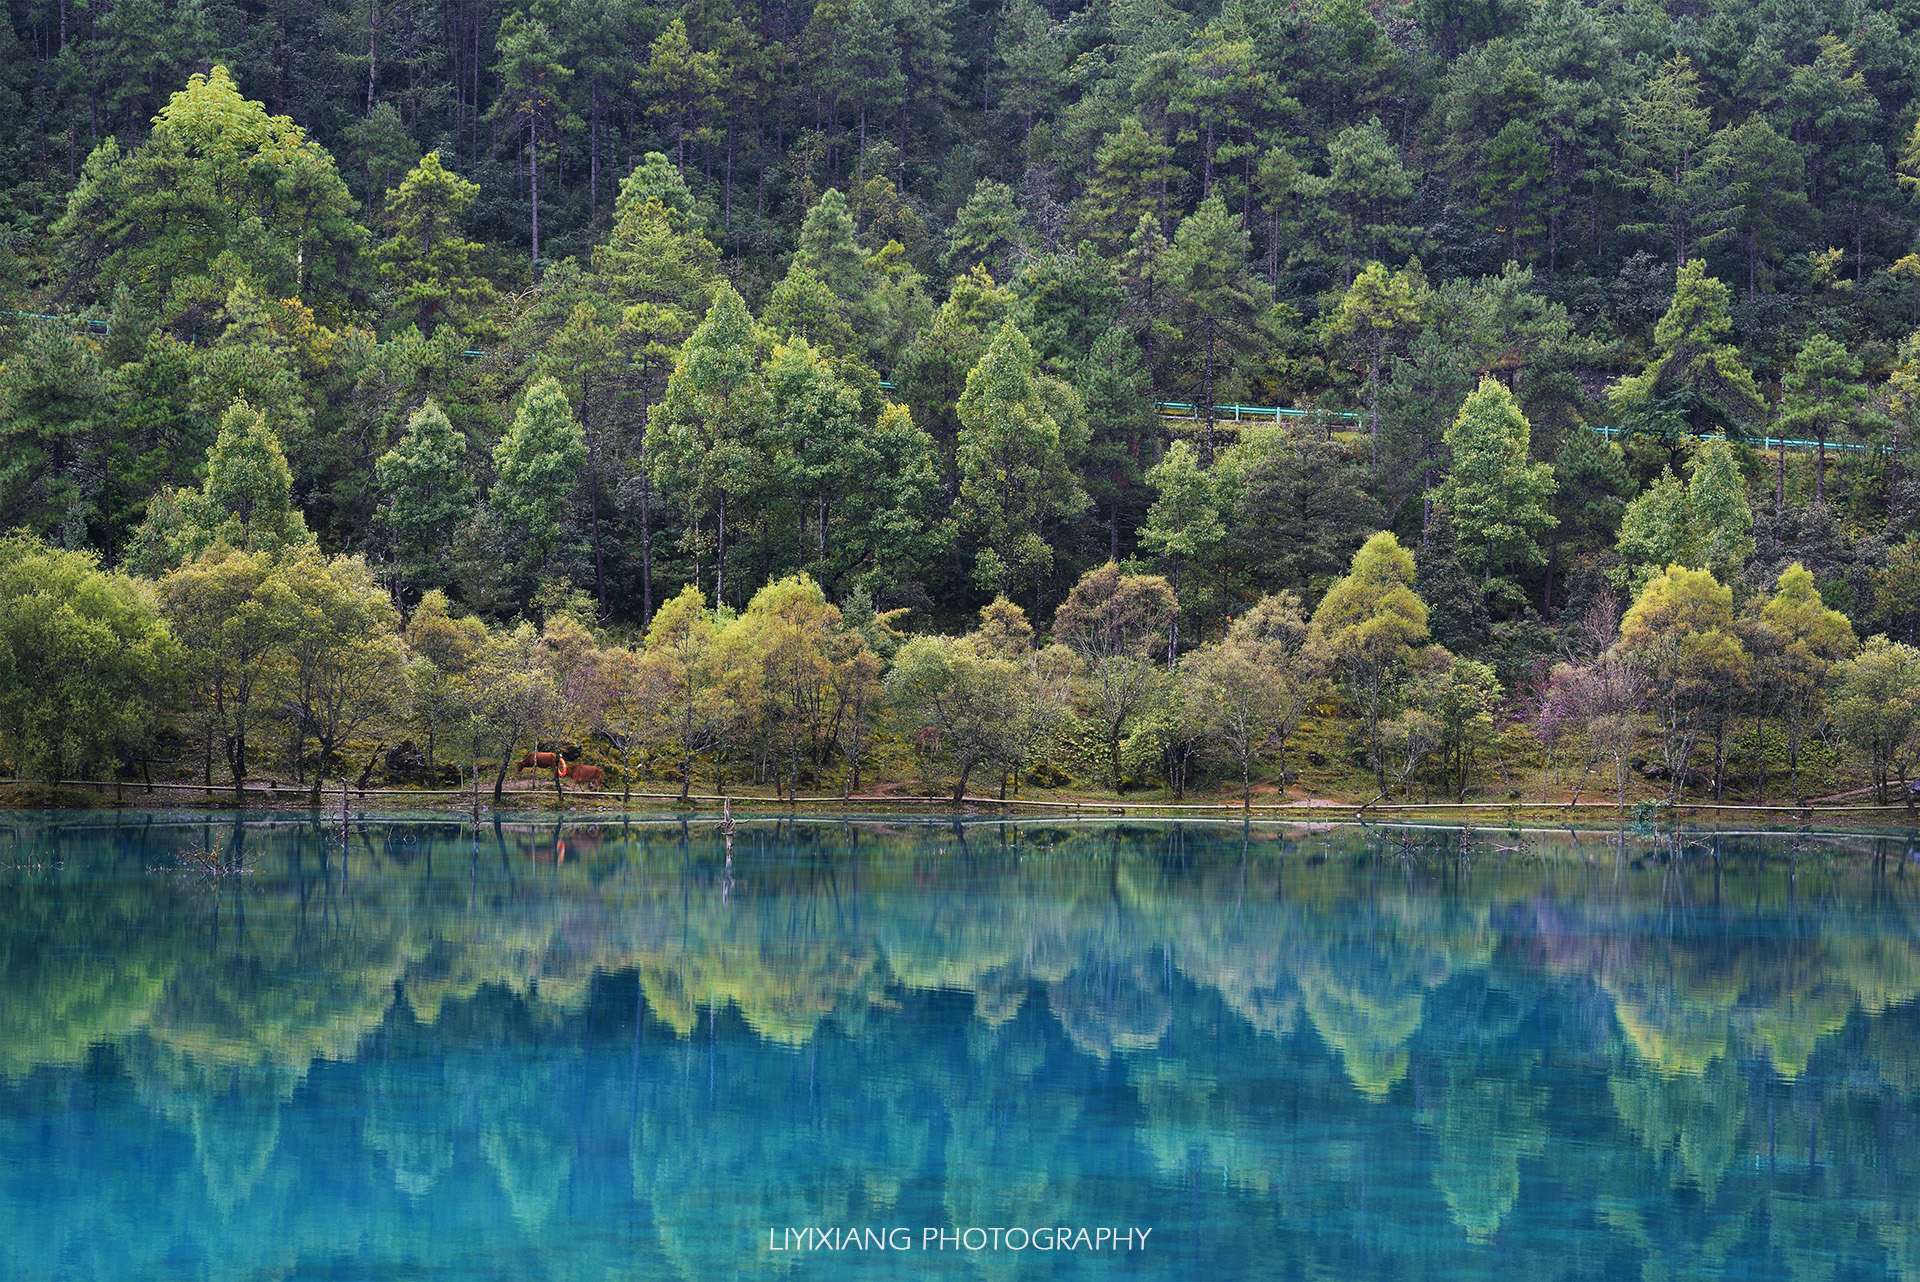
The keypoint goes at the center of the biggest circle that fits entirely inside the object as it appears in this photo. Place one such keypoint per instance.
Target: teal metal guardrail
(93, 326)
(1766, 443)
(1172, 409)
(1238, 413)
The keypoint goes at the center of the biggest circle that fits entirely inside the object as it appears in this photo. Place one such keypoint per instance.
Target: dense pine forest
(1495, 396)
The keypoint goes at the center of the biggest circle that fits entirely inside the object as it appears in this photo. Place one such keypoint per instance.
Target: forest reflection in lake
(603, 1051)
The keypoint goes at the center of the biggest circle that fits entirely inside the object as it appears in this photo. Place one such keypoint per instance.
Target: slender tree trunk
(533, 134)
(593, 509)
(1893, 491)
(720, 557)
(1373, 384)
(319, 773)
(473, 67)
(646, 546)
(1426, 499)
(1173, 624)
(1209, 438)
(1793, 755)
(373, 50)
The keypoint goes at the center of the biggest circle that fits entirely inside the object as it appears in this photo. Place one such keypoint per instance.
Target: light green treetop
(537, 470)
(434, 268)
(1695, 381)
(219, 191)
(429, 493)
(246, 502)
(1705, 525)
(1496, 495)
(1368, 624)
(1013, 465)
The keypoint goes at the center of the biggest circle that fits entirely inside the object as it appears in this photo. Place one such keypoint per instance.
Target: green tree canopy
(1367, 625)
(51, 394)
(1217, 299)
(85, 661)
(1013, 461)
(246, 502)
(1184, 526)
(1825, 396)
(430, 494)
(705, 437)
(537, 474)
(1696, 381)
(1496, 495)
(1680, 632)
(1706, 524)
(1801, 641)
(425, 258)
(233, 615)
(1876, 707)
(219, 192)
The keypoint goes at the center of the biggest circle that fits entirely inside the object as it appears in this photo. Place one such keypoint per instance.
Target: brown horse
(584, 776)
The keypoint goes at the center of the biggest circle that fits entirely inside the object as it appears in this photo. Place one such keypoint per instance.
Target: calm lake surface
(602, 1052)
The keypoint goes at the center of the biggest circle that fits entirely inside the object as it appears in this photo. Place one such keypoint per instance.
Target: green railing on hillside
(1767, 443)
(1230, 413)
(1239, 413)
(93, 326)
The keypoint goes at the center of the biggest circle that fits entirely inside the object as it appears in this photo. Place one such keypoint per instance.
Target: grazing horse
(584, 776)
(537, 761)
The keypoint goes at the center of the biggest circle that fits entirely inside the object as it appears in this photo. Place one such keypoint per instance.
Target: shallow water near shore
(237, 1048)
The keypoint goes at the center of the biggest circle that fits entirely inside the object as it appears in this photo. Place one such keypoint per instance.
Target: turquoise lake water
(605, 1052)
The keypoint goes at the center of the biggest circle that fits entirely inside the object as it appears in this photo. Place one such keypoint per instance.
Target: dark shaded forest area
(552, 312)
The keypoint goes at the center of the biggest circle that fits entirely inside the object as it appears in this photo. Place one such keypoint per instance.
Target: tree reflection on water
(563, 1051)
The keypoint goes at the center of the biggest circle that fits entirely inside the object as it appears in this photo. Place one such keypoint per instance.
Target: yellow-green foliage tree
(1367, 625)
(700, 696)
(234, 616)
(441, 652)
(1114, 623)
(85, 660)
(1876, 706)
(1804, 640)
(347, 663)
(220, 193)
(1680, 632)
(1250, 690)
(963, 704)
(818, 677)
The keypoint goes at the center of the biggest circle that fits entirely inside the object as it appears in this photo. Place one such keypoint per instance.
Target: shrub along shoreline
(295, 676)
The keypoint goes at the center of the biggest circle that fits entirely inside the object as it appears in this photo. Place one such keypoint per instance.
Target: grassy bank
(1266, 807)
